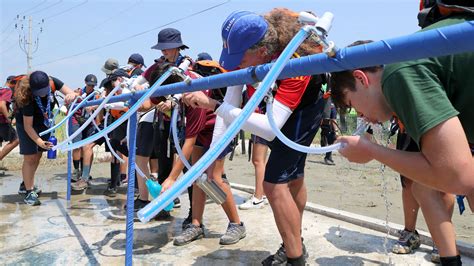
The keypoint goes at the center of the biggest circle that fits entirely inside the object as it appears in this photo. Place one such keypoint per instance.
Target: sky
(78, 36)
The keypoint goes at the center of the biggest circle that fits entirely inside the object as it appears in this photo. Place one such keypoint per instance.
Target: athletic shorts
(406, 143)
(27, 145)
(284, 163)
(256, 139)
(7, 133)
(87, 132)
(147, 140)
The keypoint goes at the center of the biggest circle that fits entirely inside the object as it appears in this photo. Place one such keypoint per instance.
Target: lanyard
(45, 111)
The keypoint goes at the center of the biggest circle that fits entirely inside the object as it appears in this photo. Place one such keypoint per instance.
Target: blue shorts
(285, 164)
(256, 139)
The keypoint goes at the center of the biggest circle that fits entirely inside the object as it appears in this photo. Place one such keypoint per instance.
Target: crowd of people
(429, 99)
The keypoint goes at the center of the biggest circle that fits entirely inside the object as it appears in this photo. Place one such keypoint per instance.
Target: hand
(198, 99)
(167, 184)
(139, 87)
(45, 145)
(356, 149)
(90, 109)
(164, 106)
(69, 98)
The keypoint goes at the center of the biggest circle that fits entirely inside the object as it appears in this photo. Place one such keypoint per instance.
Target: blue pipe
(154, 207)
(290, 143)
(447, 40)
(70, 113)
(174, 133)
(132, 133)
(88, 121)
(133, 109)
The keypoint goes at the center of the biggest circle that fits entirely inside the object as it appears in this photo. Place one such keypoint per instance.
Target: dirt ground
(346, 186)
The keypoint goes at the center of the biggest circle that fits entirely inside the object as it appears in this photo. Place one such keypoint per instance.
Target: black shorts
(27, 145)
(256, 139)
(147, 140)
(87, 132)
(7, 133)
(285, 164)
(406, 143)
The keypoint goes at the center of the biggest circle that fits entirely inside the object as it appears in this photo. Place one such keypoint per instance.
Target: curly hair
(23, 95)
(282, 27)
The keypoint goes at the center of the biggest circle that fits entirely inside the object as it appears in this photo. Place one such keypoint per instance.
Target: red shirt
(290, 90)
(200, 122)
(5, 95)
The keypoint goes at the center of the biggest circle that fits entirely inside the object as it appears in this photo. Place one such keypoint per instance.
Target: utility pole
(27, 45)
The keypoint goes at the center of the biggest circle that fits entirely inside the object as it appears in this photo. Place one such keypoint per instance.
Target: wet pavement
(91, 230)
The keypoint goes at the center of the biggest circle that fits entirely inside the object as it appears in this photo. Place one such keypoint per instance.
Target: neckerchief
(47, 121)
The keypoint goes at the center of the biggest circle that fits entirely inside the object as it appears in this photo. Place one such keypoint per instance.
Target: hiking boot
(80, 185)
(280, 258)
(110, 192)
(234, 233)
(177, 203)
(190, 233)
(435, 255)
(32, 199)
(252, 203)
(188, 220)
(22, 189)
(407, 242)
(76, 175)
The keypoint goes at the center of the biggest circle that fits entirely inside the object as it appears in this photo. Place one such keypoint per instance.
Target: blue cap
(39, 83)
(240, 31)
(136, 59)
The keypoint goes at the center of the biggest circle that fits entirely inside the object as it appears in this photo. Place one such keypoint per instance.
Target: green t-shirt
(424, 93)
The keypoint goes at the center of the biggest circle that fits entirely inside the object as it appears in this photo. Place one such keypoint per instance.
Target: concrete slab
(91, 230)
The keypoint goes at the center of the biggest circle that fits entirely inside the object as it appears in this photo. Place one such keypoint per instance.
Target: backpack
(432, 11)
(207, 68)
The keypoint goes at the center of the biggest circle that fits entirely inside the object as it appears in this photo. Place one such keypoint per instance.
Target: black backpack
(208, 68)
(432, 11)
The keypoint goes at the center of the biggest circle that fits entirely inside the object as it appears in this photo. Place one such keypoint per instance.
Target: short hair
(344, 80)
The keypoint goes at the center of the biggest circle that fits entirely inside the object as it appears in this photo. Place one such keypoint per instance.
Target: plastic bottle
(51, 152)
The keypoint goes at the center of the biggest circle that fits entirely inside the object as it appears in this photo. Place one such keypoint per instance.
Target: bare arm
(28, 124)
(445, 162)
(4, 109)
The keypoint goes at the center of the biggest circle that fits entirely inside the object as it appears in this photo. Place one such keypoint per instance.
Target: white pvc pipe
(174, 132)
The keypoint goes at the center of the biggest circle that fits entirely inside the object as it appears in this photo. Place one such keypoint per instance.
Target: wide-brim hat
(169, 39)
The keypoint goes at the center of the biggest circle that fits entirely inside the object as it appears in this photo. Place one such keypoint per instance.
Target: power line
(47, 7)
(134, 35)
(67, 10)
(23, 12)
(100, 24)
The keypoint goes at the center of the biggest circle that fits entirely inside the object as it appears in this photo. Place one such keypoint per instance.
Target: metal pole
(132, 134)
(29, 44)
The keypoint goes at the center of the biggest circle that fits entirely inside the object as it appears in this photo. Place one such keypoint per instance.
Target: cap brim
(164, 46)
(41, 92)
(107, 71)
(230, 61)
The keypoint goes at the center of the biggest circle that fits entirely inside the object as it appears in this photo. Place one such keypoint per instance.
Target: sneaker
(138, 204)
(110, 192)
(407, 242)
(234, 233)
(329, 161)
(163, 215)
(252, 203)
(22, 189)
(76, 175)
(435, 255)
(177, 203)
(188, 220)
(123, 179)
(190, 233)
(80, 185)
(32, 199)
(280, 258)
